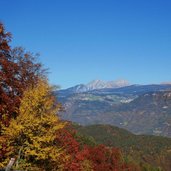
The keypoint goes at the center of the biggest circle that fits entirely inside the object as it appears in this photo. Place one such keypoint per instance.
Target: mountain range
(96, 85)
(141, 109)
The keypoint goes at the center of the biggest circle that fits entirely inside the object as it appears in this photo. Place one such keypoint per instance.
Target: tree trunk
(10, 164)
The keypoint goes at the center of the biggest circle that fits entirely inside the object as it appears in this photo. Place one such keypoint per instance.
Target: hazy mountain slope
(134, 89)
(140, 109)
(148, 114)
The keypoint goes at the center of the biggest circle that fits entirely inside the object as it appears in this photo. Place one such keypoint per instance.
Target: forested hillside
(153, 150)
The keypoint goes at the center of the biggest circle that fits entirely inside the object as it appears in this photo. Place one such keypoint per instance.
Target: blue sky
(83, 40)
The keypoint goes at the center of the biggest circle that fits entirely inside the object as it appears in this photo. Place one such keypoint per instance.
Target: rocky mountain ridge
(96, 85)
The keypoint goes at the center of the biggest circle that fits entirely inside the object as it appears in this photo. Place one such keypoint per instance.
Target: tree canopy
(32, 136)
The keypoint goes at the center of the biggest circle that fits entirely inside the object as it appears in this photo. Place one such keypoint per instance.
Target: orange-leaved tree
(91, 157)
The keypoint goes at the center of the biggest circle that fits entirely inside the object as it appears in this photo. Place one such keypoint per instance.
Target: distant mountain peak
(96, 85)
(99, 84)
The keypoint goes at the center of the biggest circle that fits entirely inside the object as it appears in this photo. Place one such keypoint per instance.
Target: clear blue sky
(82, 40)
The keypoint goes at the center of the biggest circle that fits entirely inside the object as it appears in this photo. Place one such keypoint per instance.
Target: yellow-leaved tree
(32, 136)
